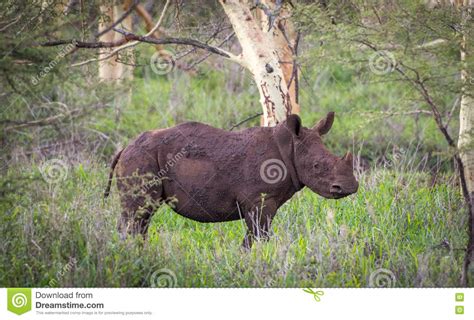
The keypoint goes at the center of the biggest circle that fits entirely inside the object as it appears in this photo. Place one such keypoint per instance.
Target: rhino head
(316, 167)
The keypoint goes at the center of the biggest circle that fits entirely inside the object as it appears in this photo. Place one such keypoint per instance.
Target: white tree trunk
(283, 35)
(466, 135)
(110, 69)
(466, 114)
(259, 55)
(107, 68)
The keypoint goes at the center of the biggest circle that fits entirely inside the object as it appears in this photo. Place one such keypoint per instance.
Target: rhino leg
(258, 221)
(135, 220)
(138, 203)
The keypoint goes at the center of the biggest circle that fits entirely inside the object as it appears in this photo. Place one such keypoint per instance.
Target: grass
(396, 221)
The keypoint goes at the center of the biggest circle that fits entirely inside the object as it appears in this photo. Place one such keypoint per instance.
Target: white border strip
(155, 303)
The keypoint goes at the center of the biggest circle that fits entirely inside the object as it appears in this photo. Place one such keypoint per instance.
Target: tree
(276, 23)
(466, 124)
(262, 54)
(259, 56)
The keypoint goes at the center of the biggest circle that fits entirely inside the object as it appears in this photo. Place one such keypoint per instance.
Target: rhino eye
(315, 165)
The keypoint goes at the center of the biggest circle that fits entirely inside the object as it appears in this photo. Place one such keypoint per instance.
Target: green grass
(396, 221)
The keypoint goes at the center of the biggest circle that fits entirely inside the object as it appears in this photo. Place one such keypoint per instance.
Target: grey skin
(212, 175)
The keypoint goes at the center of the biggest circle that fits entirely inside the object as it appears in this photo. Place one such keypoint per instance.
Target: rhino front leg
(258, 221)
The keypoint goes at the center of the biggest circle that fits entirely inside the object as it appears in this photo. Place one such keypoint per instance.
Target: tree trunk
(107, 68)
(111, 69)
(284, 37)
(466, 134)
(259, 55)
(465, 146)
(466, 115)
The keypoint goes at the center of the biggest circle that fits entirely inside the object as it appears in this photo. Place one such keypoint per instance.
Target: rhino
(211, 175)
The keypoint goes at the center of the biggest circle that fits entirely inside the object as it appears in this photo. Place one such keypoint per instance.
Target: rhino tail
(111, 174)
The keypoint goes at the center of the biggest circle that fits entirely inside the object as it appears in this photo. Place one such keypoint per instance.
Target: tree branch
(182, 41)
(245, 120)
(147, 39)
(41, 122)
(208, 54)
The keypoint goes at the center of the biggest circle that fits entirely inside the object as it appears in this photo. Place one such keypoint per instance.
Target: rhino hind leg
(138, 208)
(134, 221)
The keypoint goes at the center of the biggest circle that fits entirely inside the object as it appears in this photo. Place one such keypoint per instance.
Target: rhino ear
(293, 124)
(325, 124)
(285, 132)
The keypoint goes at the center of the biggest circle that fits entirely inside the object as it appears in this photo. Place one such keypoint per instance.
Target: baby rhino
(211, 175)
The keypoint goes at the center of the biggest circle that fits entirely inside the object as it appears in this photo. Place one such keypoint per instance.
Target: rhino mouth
(339, 190)
(336, 191)
(340, 195)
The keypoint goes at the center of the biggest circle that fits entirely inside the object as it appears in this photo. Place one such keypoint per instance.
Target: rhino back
(193, 150)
